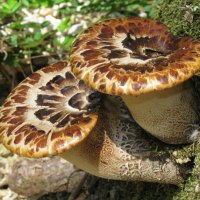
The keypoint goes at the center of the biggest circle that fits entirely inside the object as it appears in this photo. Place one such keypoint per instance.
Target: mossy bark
(181, 16)
(183, 19)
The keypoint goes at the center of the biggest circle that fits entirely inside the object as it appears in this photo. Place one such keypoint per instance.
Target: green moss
(181, 16)
(183, 19)
(188, 190)
(191, 189)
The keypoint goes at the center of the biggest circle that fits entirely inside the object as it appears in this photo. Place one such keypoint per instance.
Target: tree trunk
(183, 19)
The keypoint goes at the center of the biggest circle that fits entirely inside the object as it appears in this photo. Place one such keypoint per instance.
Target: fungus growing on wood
(53, 113)
(141, 61)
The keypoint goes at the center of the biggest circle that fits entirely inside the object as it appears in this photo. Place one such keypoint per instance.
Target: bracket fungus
(53, 113)
(141, 61)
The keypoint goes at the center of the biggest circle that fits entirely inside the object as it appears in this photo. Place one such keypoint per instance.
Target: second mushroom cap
(140, 60)
(132, 56)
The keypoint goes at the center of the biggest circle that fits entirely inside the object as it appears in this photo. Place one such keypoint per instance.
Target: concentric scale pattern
(133, 56)
(48, 113)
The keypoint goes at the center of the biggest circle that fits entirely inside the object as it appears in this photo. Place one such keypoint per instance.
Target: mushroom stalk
(120, 165)
(117, 149)
(163, 113)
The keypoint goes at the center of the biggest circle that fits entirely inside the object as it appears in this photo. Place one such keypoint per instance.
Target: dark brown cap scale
(133, 56)
(48, 113)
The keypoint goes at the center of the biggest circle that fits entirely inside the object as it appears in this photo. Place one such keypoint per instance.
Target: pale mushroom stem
(163, 113)
(118, 149)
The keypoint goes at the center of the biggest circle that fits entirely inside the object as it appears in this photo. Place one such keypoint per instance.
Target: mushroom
(53, 113)
(48, 113)
(141, 61)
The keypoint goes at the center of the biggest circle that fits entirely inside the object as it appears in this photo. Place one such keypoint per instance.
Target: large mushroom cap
(133, 56)
(48, 113)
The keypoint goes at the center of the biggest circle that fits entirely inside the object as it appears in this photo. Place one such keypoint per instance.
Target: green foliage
(127, 7)
(9, 7)
(65, 24)
(23, 37)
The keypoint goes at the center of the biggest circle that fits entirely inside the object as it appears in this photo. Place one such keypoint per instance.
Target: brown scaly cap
(48, 113)
(133, 56)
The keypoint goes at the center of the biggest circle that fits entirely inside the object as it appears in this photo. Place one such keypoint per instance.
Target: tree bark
(183, 19)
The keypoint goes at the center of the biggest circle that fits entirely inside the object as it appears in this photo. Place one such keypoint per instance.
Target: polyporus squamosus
(51, 112)
(141, 61)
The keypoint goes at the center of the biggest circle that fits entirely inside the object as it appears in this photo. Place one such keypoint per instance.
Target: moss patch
(181, 16)
(183, 19)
